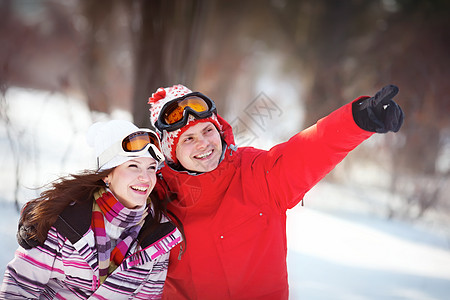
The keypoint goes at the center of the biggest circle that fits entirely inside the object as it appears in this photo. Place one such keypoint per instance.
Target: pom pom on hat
(169, 140)
(102, 135)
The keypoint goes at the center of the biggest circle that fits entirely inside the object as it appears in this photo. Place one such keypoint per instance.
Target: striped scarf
(107, 206)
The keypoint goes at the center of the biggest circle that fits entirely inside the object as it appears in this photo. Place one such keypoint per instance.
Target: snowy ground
(352, 255)
(337, 247)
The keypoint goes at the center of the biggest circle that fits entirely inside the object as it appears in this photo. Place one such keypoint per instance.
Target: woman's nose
(144, 176)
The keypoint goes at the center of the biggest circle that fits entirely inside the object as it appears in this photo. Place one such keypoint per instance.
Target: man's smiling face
(199, 148)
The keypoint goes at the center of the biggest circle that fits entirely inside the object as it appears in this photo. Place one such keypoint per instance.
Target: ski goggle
(134, 145)
(175, 113)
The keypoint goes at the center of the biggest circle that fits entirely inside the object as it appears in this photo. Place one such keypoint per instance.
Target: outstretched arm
(294, 167)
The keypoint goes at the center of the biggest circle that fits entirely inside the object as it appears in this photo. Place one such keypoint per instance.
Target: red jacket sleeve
(294, 167)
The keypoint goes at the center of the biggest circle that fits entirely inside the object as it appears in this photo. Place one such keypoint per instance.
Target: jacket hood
(227, 132)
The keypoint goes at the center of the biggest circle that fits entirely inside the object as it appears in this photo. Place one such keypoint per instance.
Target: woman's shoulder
(157, 232)
(75, 220)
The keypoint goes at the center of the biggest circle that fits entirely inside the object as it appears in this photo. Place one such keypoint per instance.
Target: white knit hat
(102, 135)
(169, 140)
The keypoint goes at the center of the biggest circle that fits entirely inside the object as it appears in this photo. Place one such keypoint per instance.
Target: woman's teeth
(139, 188)
(204, 154)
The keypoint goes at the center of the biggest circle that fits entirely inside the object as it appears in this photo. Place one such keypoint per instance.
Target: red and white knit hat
(169, 140)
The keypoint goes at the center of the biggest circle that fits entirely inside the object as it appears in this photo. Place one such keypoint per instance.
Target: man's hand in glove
(379, 113)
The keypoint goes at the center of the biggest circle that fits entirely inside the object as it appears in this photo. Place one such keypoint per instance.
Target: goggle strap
(156, 154)
(108, 154)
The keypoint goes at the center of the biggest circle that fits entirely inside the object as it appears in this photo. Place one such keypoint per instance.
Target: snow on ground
(338, 248)
(354, 256)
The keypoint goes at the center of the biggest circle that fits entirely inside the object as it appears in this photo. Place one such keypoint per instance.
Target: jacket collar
(75, 221)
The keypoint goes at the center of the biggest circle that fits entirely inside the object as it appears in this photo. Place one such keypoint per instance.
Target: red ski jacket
(234, 217)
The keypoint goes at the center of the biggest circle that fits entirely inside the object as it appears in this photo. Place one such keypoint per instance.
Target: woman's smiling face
(199, 148)
(132, 182)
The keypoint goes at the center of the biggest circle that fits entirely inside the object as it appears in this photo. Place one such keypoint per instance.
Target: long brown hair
(39, 214)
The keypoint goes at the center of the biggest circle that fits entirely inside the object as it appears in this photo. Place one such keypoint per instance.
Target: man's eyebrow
(186, 135)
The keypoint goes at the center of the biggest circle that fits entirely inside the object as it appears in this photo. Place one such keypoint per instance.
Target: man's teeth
(139, 188)
(204, 154)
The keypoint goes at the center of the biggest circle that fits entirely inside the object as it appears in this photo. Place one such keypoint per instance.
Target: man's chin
(207, 167)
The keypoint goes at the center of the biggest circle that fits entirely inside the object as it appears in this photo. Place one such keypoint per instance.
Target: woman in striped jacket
(98, 234)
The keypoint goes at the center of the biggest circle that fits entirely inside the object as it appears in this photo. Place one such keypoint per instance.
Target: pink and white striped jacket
(66, 265)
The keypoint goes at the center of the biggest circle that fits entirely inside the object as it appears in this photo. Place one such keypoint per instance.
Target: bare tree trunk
(166, 49)
(96, 57)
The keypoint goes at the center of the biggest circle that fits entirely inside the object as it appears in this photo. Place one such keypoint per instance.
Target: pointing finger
(384, 95)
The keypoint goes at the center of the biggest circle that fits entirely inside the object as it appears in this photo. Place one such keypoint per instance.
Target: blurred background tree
(318, 53)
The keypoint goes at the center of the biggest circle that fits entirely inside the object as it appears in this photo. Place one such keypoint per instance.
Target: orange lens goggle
(137, 141)
(175, 113)
(132, 146)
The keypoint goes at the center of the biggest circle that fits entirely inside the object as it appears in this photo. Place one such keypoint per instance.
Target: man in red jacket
(232, 201)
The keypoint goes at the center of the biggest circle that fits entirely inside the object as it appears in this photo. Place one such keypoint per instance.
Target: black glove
(379, 113)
